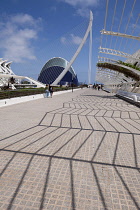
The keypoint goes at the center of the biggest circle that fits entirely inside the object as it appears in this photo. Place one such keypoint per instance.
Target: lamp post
(72, 83)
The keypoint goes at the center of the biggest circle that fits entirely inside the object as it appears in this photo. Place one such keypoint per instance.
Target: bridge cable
(113, 21)
(105, 19)
(106, 14)
(132, 33)
(120, 22)
(128, 21)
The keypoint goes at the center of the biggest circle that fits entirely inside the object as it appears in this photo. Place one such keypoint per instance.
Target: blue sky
(34, 31)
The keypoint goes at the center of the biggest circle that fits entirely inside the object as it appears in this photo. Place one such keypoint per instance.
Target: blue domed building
(53, 68)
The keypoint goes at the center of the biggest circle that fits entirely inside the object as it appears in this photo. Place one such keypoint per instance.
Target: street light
(72, 83)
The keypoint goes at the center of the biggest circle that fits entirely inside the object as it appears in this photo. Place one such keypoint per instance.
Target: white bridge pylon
(77, 52)
(117, 53)
(119, 34)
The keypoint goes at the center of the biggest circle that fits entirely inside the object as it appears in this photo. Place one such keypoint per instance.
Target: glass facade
(53, 68)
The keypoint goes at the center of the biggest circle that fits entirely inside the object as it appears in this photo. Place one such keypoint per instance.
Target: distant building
(5, 72)
(5, 67)
(135, 62)
(7, 76)
(53, 68)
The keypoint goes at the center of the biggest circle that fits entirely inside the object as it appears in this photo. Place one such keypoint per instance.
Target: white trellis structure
(108, 76)
(119, 34)
(104, 59)
(6, 73)
(116, 48)
(117, 53)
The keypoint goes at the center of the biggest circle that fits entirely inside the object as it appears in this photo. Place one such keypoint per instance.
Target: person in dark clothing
(98, 87)
(51, 90)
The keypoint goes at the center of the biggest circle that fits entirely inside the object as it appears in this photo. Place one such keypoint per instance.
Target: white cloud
(135, 28)
(63, 40)
(54, 9)
(17, 46)
(76, 40)
(84, 12)
(22, 19)
(82, 3)
(17, 33)
(82, 6)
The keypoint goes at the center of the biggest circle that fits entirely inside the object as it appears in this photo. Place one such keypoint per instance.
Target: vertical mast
(90, 57)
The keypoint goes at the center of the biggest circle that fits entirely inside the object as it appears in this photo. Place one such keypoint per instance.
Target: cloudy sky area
(34, 31)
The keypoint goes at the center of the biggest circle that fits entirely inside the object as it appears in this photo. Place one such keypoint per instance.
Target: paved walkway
(77, 150)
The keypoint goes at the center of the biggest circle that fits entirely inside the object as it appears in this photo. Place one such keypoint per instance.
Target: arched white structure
(104, 59)
(119, 34)
(117, 53)
(90, 57)
(6, 73)
(53, 68)
(77, 52)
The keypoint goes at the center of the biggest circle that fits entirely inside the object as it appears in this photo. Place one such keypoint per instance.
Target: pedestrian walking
(51, 90)
(99, 87)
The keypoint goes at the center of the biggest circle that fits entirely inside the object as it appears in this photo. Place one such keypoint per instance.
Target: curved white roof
(5, 67)
(57, 61)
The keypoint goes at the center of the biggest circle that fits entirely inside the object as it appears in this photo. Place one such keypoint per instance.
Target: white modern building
(136, 61)
(6, 73)
(52, 70)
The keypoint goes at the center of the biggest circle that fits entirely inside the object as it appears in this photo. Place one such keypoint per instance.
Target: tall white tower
(90, 56)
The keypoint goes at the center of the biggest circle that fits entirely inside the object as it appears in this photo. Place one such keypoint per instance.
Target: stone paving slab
(75, 151)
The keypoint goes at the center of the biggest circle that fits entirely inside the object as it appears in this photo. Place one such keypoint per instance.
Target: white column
(90, 57)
